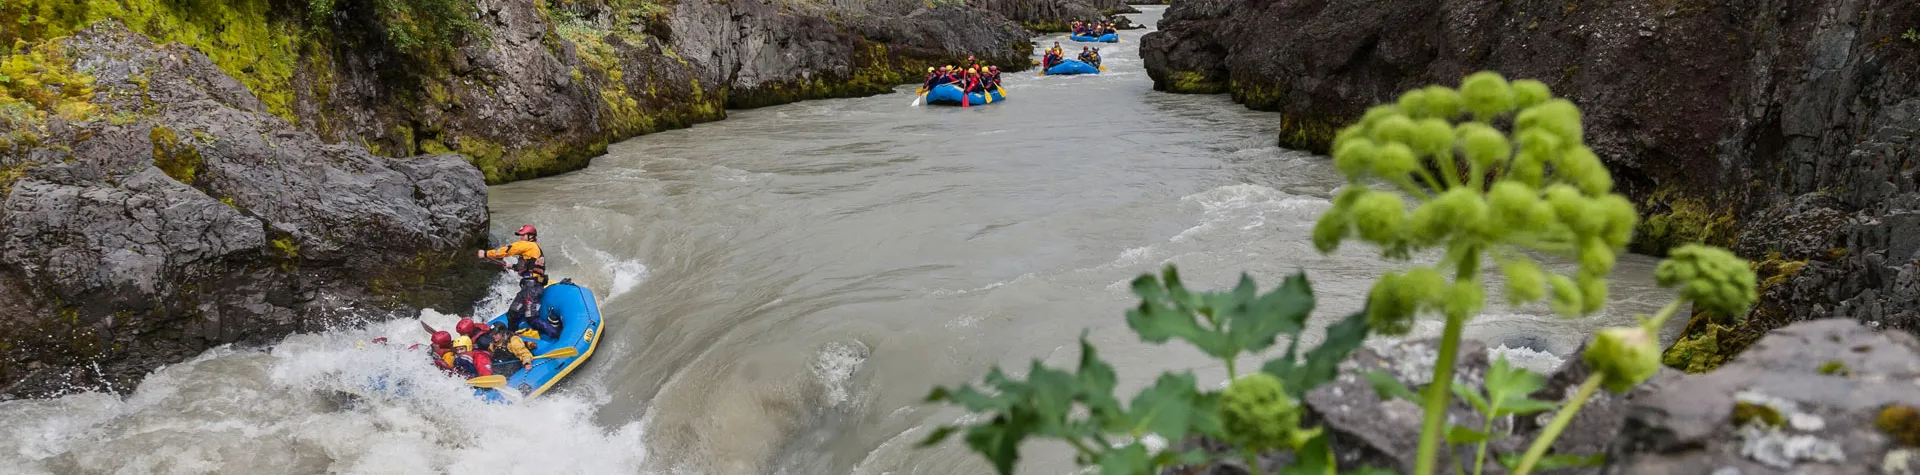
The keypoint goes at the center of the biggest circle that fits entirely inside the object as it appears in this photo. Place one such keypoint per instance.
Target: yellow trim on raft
(593, 343)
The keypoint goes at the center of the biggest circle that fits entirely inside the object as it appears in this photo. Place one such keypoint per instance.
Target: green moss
(1698, 352)
(287, 247)
(1674, 219)
(1190, 82)
(1263, 97)
(1746, 412)
(1834, 367)
(1304, 132)
(178, 160)
(1900, 421)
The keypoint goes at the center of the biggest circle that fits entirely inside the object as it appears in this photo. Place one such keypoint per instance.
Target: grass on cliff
(259, 42)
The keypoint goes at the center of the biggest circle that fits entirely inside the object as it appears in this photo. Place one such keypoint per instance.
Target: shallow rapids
(782, 287)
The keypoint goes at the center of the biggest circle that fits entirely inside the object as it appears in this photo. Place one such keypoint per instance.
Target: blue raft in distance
(1072, 66)
(948, 94)
(579, 328)
(1106, 38)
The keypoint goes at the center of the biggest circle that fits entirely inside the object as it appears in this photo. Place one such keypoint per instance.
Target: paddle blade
(495, 381)
(567, 352)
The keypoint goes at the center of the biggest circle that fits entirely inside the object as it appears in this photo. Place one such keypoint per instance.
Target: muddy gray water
(781, 289)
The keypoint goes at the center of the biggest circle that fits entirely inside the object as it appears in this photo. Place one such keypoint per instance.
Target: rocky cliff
(1783, 129)
(183, 174)
(158, 209)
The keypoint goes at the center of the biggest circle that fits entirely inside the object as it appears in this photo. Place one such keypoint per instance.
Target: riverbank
(1778, 130)
(344, 90)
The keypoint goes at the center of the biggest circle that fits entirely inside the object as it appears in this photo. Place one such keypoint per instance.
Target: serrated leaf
(999, 440)
(938, 435)
(1128, 460)
(1205, 417)
(1254, 323)
(1524, 406)
(1463, 435)
(1554, 462)
(1166, 408)
(1160, 317)
(1389, 386)
(1472, 395)
(1097, 379)
(1052, 398)
(1313, 458)
(1323, 363)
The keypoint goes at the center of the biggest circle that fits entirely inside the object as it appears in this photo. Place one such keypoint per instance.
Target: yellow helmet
(463, 342)
(929, 69)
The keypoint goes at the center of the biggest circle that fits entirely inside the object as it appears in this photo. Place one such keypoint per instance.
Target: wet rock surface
(194, 219)
(1770, 126)
(1805, 399)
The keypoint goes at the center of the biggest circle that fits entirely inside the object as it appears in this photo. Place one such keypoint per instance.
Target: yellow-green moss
(1308, 133)
(1834, 367)
(287, 247)
(1747, 412)
(1678, 219)
(1699, 352)
(1902, 422)
(178, 160)
(36, 84)
(1190, 82)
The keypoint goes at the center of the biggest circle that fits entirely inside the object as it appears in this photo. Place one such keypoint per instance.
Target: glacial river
(783, 287)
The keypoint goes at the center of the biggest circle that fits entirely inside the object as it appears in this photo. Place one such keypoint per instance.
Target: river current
(783, 287)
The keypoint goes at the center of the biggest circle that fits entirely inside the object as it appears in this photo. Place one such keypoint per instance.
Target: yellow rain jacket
(517, 346)
(527, 250)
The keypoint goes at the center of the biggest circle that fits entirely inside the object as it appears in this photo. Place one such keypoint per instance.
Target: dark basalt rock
(202, 220)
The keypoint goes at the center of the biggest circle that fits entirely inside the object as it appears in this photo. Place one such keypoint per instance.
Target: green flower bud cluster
(1257, 414)
(1478, 192)
(1710, 277)
(1623, 356)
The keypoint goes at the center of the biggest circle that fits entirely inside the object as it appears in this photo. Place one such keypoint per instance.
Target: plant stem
(1231, 375)
(1660, 319)
(1447, 166)
(1438, 394)
(1082, 447)
(1253, 461)
(1560, 421)
(1480, 458)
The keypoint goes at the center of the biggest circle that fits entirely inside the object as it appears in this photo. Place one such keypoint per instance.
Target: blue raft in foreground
(1106, 38)
(1072, 66)
(948, 94)
(579, 328)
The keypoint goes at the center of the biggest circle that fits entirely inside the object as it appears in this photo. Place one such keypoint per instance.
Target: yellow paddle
(567, 352)
(495, 381)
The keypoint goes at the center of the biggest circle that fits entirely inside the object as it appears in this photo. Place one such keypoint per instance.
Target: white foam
(279, 410)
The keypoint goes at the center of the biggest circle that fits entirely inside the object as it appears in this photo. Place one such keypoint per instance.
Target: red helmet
(442, 338)
(526, 229)
(465, 327)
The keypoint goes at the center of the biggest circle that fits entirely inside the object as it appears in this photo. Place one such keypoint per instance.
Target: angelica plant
(1258, 412)
(1487, 196)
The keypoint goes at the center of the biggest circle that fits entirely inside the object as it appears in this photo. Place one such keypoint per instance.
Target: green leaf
(1463, 435)
(1389, 386)
(1313, 458)
(1129, 460)
(939, 434)
(1000, 440)
(1166, 408)
(1165, 313)
(1096, 381)
(1555, 461)
(1254, 323)
(1472, 395)
(1205, 418)
(1052, 397)
(1508, 387)
(1524, 406)
(1323, 363)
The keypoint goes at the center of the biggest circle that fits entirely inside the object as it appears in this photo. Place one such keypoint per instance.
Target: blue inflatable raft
(579, 328)
(1072, 66)
(948, 94)
(1106, 38)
